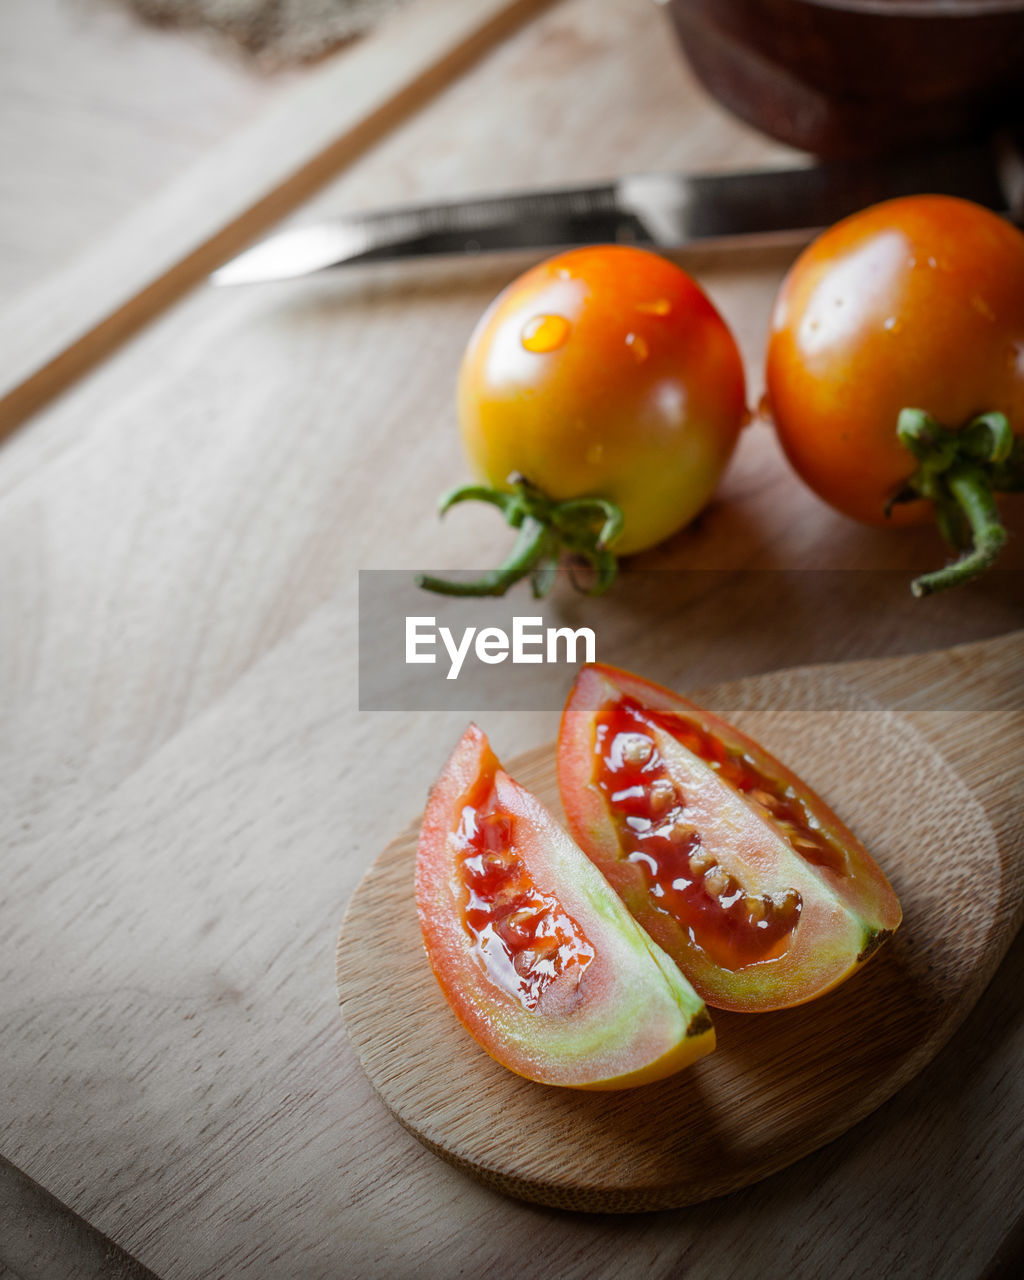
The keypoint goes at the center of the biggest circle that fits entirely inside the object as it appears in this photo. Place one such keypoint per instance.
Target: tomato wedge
(732, 864)
(536, 955)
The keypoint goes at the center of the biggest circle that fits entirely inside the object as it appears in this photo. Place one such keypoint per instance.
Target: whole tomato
(599, 400)
(914, 307)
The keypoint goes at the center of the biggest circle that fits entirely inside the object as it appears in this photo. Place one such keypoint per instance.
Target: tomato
(604, 373)
(535, 954)
(733, 865)
(914, 304)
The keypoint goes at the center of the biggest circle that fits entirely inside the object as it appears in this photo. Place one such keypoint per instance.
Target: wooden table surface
(189, 791)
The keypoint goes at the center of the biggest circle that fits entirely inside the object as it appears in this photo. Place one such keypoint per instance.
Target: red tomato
(537, 957)
(733, 865)
(915, 303)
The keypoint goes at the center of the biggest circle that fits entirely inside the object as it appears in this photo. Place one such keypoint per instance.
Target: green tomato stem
(989, 437)
(960, 472)
(530, 546)
(567, 514)
(970, 487)
(583, 526)
(477, 493)
(605, 569)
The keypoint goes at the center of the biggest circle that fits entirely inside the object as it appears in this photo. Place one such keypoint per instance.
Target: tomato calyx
(961, 472)
(585, 527)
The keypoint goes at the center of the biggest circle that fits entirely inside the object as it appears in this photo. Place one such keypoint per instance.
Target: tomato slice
(536, 955)
(732, 864)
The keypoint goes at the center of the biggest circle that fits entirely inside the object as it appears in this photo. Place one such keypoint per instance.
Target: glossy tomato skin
(914, 303)
(605, 372)
(625, 1019)
(847, 906)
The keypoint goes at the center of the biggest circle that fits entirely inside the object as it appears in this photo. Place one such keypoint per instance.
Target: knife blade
(664, 210)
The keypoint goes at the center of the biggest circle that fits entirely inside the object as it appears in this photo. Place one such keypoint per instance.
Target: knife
(665, 210)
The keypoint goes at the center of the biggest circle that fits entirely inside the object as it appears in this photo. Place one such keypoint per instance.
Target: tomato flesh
(522, 938)
(534, 952)
(732, 864)
(733, 926)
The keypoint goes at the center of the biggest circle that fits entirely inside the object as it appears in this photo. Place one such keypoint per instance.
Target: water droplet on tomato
(892, 324)
(638, 346)
(660, 307)
(850, 295)
(545, 333)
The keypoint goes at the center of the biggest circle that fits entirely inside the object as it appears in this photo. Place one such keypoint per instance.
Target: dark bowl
(858, 77)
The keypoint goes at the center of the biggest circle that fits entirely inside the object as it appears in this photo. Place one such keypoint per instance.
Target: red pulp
(522, 938)
(733, 926)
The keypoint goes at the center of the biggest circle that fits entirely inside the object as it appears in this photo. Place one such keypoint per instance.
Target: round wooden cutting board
(780, 1084)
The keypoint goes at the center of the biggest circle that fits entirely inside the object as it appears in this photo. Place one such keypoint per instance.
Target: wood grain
(190, 793)
(779, 1085)
(99, 112)
(53, 333)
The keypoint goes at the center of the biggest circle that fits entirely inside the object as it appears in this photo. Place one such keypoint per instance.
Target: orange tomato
(914, 303)
(605, 372)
